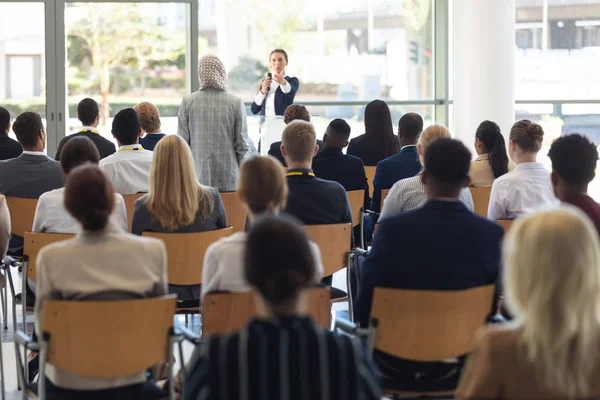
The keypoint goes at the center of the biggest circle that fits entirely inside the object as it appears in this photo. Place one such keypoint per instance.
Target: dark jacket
(105, 146)
(282, 100)
(150, 141)
(442, 246)
(9, 148)
(403, 165)
(349, 171)
(363, 147)
(275, 151)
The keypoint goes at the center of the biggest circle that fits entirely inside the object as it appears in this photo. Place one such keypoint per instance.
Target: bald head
(410, 127)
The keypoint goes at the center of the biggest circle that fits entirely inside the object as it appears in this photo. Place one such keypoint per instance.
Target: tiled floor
(7, 335)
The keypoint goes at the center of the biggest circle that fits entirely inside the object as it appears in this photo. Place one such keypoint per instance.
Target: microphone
(269, 76)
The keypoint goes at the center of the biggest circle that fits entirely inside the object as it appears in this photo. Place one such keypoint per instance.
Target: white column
(483, 65)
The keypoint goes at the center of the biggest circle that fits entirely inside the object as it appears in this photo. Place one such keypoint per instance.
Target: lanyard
(300, 173)
(89, 130)
(131, 149)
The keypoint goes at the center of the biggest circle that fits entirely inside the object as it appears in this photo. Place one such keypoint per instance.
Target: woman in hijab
(213, 123)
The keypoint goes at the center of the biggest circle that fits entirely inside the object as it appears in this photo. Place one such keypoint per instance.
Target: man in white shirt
(129, 168)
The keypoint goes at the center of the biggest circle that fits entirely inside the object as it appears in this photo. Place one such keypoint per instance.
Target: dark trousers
(140, 391)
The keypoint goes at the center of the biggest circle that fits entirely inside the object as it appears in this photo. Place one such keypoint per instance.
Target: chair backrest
(22, 212)
(422, 325)
(384, 193)
(481, 199)
(33, 243)
(334, 242)
(356, 198)
(370, 172)
(229, 312)
(236, 213)
(185, 253)
(133, 335)
(130, 205)
(505, 223)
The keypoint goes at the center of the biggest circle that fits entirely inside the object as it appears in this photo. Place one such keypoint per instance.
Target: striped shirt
(284, 358)
(409, 194)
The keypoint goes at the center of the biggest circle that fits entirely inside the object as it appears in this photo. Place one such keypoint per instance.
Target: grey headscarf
(211, 73)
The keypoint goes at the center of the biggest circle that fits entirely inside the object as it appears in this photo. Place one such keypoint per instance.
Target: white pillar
(483, 65)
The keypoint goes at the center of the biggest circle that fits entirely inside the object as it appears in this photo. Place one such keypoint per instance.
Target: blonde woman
(409, 194)
(176, 202)
(552, 284)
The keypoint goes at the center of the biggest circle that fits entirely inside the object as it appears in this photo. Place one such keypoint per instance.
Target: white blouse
(521, 191)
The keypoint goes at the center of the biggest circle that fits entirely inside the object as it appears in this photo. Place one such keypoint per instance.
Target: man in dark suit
(312, 200)
(442, 246)
(333, 165)
(9, 148)
(405, 164)
(89, 115)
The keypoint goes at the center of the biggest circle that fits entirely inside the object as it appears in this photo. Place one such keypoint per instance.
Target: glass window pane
(22, 58)
(121, 54)
(339, 49)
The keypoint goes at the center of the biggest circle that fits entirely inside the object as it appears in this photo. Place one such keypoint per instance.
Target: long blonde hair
(175, 198)
(430, 135)
(553, 286)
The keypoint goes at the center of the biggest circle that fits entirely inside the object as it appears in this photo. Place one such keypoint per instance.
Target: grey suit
(29, 176)
(213, 123)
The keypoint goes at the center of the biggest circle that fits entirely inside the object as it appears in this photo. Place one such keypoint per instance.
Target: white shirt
(128, 169)
(270, 107)
(409, 194)
(223, 267)
(521, 191)
(52, 217)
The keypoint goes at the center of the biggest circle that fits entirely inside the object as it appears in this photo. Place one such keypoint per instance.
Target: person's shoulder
(57, 250)
(332, 186)
(499, 340)
(492, 229)
(228, 245)
(353, 160)
(275, 146)
(358, 139)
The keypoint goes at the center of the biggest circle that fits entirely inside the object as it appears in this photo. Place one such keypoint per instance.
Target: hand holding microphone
(266, 84)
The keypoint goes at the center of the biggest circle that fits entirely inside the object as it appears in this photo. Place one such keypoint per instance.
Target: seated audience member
(4, 233)
(292, 113)
(441, 246)
(89, 115)
(333, 165)
(492, 161)
(299, 359)
(403, 165)
(50, 214)
(150, 121)
(100, 259)
(410, 193)
(552, 283)
(176, 202)
(129, 168)
(32, 173)
(574, 158)
(378, 142)
(262, 189)
(527, 187)
(9, 148)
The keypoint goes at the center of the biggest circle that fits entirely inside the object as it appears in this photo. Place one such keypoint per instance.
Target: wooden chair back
(356, 198)
(423, 325)
(229, 312)
(32, 244)
(505, 224)
(130, 206)
(185, 253)
(370, 172)
(22, 212)
(334, 241)
(481, 200)
(236, 213)
(384, 193)
(133, 335)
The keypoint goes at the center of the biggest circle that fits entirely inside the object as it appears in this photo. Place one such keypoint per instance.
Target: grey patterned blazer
(213, 123)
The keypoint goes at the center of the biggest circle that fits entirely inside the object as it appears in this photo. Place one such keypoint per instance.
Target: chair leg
(349, 287)
(2, 387)
(186, 320)
(362, 229)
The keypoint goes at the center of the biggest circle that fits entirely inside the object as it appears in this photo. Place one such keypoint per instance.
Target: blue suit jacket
(442, 246)
(282, 100)
(403, 165)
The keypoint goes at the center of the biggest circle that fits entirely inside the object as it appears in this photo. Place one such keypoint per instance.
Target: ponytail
(490, 135)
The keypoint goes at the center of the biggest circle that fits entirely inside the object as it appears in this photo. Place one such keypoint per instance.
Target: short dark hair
(27, 128)
(78, 150)
(447, 161)
(126, 126)
(340, 127)
(411, 125)
(279, 262)
(87, 111)
(280, 51)
(574, 159)
(4, 120)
